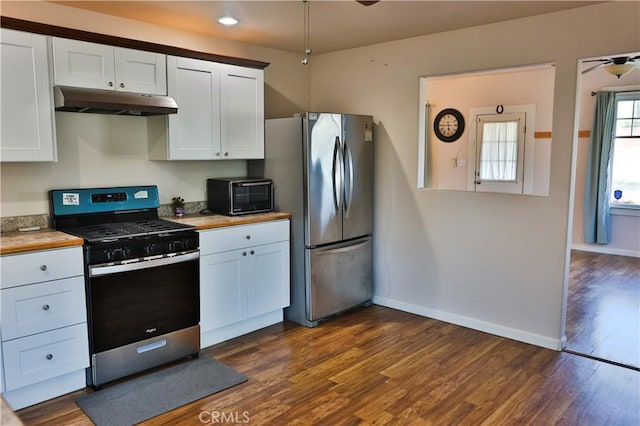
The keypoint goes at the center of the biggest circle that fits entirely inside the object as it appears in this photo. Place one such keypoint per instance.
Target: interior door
(324, 172)
(500, 153)
(358, 176)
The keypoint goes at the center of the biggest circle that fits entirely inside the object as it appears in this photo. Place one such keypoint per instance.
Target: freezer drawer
(338, 277)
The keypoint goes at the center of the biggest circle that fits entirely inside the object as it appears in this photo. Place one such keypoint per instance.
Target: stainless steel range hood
(77, 99)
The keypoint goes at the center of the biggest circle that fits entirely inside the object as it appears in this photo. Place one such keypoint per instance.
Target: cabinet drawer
(43, 356)
(41, 307)
(236, 237)
(28, 268)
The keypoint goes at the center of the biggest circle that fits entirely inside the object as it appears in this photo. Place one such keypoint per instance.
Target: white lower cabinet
(43, 356)
(244, 279)
(45, 347)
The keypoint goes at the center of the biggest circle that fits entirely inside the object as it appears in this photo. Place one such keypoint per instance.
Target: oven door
(135, 301)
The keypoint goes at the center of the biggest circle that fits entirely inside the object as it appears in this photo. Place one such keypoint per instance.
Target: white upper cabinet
(220, 112)
(194, 132)
(242, 111)
(98, 66)
(27, 123)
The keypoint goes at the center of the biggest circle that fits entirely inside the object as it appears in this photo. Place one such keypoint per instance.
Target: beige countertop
(203, 222)
(47, 238)
(43, 239)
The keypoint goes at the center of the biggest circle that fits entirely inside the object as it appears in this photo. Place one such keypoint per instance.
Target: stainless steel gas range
(141, 277)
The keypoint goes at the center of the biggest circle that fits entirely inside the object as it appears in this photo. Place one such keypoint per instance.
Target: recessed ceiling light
(228, 20)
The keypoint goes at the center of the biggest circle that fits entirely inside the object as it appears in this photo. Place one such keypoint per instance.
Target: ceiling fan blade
(594, 67)
(597, 60)
(367, 3)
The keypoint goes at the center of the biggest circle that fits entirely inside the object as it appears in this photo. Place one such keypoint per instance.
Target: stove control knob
(108, 254)
(125, 252)
(148, 249)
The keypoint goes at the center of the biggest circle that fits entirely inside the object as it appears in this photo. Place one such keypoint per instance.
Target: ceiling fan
(618, 66)
(367, 3)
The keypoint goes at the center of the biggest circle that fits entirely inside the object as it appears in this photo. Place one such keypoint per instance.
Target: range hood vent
(77, 99)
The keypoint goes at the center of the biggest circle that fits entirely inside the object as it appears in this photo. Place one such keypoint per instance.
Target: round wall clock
(448, 125)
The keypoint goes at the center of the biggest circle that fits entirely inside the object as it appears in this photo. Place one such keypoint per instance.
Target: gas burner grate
(116, 230)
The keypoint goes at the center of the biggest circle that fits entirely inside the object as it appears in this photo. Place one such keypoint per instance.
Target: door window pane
(499, 151)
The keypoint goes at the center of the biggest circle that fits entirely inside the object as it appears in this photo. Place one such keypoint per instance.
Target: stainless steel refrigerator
(322, 168)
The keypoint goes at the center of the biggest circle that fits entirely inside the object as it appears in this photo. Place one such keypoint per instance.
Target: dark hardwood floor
(382, 366)
(603, 307)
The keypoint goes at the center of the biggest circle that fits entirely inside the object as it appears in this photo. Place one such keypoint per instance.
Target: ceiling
(334, 25)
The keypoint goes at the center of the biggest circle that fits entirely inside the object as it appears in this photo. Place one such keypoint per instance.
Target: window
(499, 147)
(498, 151)
(625, 158)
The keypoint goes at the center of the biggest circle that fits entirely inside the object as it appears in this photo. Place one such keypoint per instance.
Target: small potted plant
(178, 206)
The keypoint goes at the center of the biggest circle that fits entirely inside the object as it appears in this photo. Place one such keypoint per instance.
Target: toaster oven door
(252, 197)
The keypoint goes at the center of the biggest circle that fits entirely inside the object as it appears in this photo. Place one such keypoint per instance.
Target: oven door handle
(97, 271)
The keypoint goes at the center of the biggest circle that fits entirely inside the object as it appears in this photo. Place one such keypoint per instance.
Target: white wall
(488, 261)
(625, 230)
(102, 150)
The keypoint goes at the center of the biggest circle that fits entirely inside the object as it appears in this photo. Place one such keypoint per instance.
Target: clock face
(449, 125)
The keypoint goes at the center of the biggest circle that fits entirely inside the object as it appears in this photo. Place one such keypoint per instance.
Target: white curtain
(499, 152)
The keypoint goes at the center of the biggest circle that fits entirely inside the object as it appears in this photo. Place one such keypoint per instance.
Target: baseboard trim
(595, 248)
(486, 327)
(43, 391)
(222, 334)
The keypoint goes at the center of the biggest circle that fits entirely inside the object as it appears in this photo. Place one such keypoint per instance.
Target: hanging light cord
(307, 50)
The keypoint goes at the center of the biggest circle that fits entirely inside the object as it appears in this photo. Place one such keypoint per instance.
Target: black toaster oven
(236, 196)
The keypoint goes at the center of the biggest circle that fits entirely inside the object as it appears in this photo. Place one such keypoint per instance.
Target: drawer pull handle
(151, 346)
(45, 307)
(244, 253)
(49, 356)
(252, 252)
(248, 237)
(43, 267)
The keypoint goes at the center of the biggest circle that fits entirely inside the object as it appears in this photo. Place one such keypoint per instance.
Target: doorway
(603, 307)
(603, 297)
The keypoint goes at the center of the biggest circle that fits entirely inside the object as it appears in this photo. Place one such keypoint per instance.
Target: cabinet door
(28, 127)
(194, 132)
(39, 266)
(269, 289)
(223, 289)
(35, 308)
(83, 64)
(240, 236)
(43, 356)
(140, 72)
(242, 112)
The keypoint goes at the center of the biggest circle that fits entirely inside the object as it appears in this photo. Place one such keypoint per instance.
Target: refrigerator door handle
(348, 191)
(349, 246)
(337, 175)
